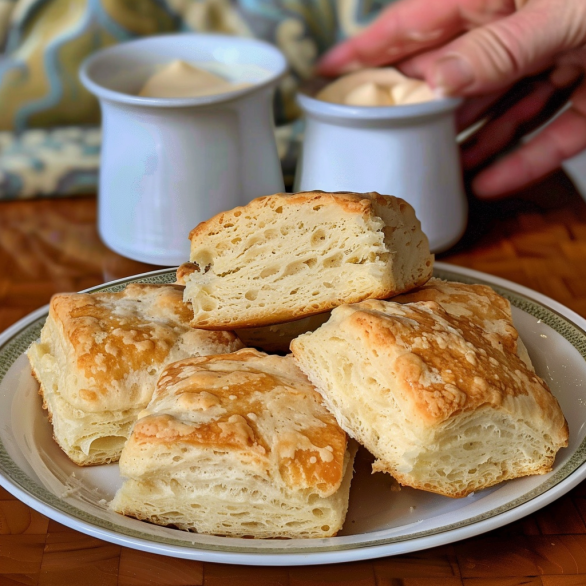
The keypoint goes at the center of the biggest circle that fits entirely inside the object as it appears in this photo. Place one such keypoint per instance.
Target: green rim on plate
(15, 346)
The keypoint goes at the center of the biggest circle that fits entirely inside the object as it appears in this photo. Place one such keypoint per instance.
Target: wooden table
(538, 240)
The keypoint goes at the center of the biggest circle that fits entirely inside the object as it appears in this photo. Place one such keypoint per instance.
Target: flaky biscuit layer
(443, 404)
(284, 257)
(240, 445)
(99, 358)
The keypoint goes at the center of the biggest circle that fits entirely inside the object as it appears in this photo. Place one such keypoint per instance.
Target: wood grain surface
(537, 239)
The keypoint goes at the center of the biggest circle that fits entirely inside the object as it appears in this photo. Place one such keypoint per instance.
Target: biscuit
(99, 357)
(283, 257)
(481, 304)
(438, 403)
(239, 445)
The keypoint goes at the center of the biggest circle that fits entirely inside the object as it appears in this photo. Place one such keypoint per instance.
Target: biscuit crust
(284, 257)
(443, 404)
(99, 357)
(481, 304)
(252, 423)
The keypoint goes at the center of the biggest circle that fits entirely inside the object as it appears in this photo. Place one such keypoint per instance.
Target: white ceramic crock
(169, 163)
(408, 151)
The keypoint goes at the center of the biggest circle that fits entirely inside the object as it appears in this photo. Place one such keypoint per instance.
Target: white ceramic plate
(380, 521)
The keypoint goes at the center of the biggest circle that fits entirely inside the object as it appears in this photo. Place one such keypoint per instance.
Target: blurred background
(49, 124)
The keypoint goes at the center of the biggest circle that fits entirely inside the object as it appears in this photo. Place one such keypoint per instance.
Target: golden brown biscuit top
(478, 303)
(442, 364)
(261, 406)
(360, 204)
(114, 334)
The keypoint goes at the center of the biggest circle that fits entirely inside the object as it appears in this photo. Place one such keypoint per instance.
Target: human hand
(481, 48)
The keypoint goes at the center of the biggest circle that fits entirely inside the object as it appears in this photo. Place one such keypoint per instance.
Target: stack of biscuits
(302, 324)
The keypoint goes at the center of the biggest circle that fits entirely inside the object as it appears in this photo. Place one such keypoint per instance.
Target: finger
(563, 78)
(513, 118)
(407, 27)
(561, 140)
(576, 58)
(474, 109)
(490, 57)
(504, 130)
(423, 66)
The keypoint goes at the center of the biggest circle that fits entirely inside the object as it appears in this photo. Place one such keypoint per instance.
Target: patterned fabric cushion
(49, 135)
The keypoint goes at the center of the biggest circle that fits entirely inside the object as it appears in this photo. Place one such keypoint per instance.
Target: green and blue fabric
(49, 124)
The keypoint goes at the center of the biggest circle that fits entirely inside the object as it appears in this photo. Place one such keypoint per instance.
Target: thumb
(497, 54)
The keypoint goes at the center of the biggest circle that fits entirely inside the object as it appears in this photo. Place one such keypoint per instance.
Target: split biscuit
(283, 257)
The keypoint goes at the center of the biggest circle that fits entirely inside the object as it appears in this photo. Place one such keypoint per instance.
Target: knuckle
(500, 54)
(574, 25)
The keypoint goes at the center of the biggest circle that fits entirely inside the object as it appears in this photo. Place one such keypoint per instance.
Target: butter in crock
(182, 80)
(376, 87)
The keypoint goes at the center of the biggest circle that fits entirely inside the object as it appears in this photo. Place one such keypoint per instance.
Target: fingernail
(337, 59)
(492, 182)
(350, 67)
(452, 74)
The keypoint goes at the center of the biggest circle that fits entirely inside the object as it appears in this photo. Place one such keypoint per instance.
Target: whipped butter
(182, 80)
(376, 87)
